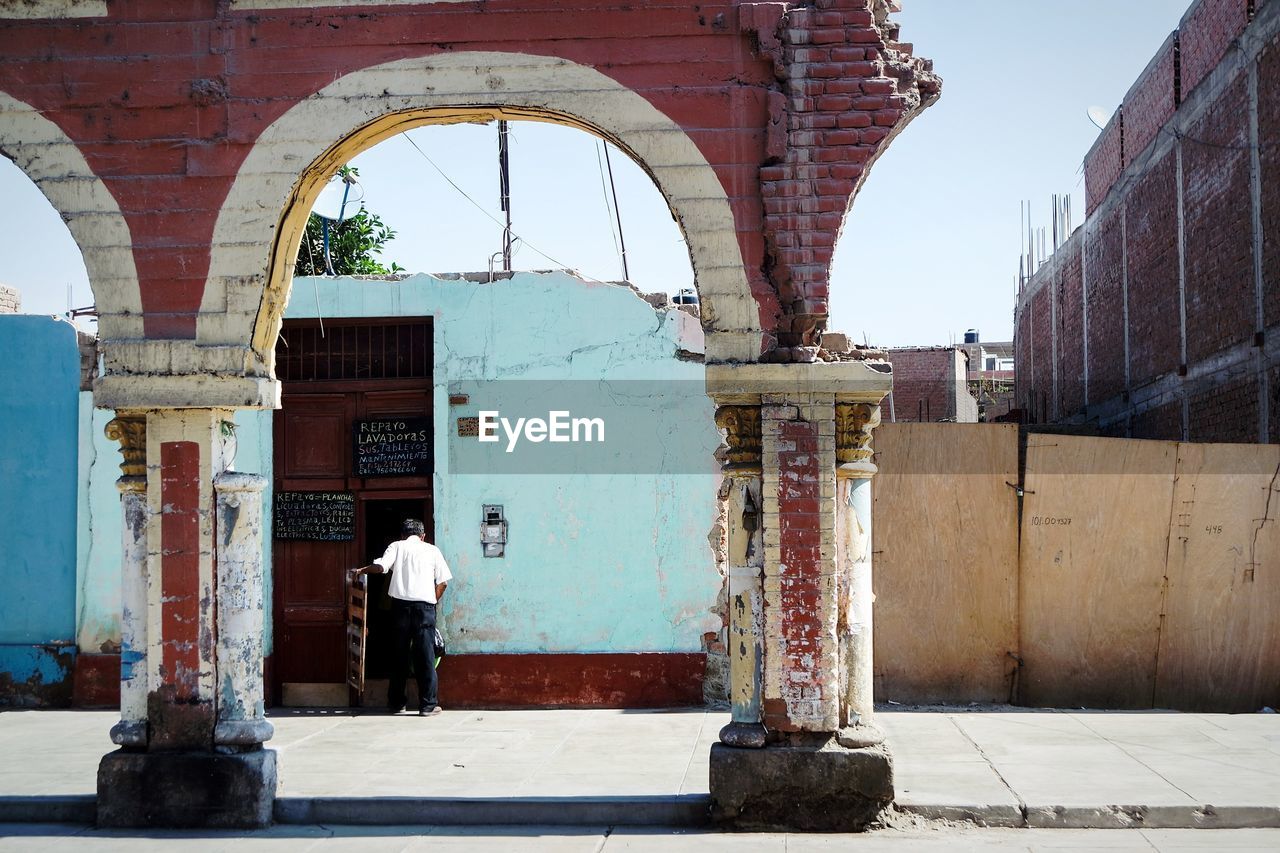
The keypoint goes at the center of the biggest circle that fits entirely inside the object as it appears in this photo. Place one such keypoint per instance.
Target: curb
(692, 810)
(688, 810)
(1103, 817)
(66, 808)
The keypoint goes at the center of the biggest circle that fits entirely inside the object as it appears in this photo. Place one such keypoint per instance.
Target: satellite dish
(1100, 116)
(330, 204)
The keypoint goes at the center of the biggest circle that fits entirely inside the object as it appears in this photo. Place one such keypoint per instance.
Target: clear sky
(929, 250)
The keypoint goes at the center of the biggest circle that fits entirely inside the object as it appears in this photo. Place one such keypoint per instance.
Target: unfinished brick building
(930, 384)
(1158, 317)
(184, 145)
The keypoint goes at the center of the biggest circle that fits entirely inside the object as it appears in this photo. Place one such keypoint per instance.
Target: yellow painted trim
(302, 198)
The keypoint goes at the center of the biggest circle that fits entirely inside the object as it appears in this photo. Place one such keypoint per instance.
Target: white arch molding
(260, 224)
(48, 157)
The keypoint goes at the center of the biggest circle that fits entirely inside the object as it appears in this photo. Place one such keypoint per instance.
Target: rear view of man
(419, 576)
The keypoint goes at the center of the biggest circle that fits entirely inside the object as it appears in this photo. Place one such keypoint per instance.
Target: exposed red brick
(1220, 291)
(180, 566)
(1269, 157)
(1151, 222)
(1207, 30)
(1150, 102)
(1226, 413)
(1070, 295)
(1163, 423)
(1103, 165)
(1104, 294)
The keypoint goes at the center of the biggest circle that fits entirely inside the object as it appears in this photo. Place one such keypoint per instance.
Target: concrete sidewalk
(1020, 767)
(1003, 768)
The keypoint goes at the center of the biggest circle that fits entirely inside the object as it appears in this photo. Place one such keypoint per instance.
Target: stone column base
(187, 789)
(824, 788)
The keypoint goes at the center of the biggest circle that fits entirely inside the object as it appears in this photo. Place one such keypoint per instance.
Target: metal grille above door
(359, 350)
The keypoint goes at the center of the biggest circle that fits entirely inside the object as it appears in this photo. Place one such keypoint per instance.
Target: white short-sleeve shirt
(416, 567)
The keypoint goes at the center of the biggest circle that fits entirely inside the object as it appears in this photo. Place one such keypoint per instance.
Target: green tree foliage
(354, 244)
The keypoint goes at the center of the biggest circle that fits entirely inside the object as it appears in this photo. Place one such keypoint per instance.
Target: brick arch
(260, 225)
(47, 156)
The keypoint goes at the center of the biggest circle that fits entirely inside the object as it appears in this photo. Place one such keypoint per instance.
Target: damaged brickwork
(787, 106)
(184, 145)
(848, 85)
(800, 582)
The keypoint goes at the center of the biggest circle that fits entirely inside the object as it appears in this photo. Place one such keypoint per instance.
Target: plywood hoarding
(1095, 529)
(945, 543)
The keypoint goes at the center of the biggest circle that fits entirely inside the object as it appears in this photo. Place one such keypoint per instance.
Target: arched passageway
(568, 615)
(757, 121)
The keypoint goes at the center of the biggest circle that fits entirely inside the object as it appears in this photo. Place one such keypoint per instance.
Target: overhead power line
(514, 236)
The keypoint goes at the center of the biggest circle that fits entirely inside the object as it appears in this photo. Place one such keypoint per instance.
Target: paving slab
(1014, 767)
(994, 767)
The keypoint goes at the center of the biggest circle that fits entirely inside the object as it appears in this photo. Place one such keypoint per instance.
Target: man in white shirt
(419, 575)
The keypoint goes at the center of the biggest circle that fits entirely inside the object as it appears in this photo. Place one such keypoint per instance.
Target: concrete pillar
(853, 514)
(822, 765)
(746, 565)
(854, 423)
(241, 719)
(131, 433)
(189, 771)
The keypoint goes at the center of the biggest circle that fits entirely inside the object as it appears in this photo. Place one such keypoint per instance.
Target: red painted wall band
(657, 680)
(180, 567)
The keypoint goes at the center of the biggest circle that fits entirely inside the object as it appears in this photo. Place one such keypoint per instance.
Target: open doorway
(382, 519)
(352, 389)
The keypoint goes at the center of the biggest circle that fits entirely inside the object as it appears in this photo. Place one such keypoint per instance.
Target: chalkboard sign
(392, 447)
(317, 516)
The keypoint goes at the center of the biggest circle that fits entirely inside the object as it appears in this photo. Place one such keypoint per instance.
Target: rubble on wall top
(836, 346)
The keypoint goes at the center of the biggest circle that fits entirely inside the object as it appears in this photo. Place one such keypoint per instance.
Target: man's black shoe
(434, 712)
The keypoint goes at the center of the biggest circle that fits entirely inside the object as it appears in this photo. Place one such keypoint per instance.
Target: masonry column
(242, 723)
(854, 423)
(130, 430)
(822, 766)
(741, 424)
(183, 775)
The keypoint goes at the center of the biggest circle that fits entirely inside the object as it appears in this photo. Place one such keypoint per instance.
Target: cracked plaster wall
(594, 563)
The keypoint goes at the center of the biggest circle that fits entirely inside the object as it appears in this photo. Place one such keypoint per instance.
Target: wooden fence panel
(1220, 648)
(945, 542)
(1095, 529)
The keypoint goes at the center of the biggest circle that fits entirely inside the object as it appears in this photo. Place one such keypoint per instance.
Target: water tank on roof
(970, 337)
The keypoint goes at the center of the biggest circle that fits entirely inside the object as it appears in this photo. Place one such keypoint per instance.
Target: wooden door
(312, 456)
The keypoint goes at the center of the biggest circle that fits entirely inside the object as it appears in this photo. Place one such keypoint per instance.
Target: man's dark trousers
(415, 627)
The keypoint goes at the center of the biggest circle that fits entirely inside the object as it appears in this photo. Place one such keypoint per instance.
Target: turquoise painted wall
(98, 542)
(595, 562)
(39, 386)
(99, 549)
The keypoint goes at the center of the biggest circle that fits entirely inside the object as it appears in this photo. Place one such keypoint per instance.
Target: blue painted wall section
(98, 534)
(39, 387)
